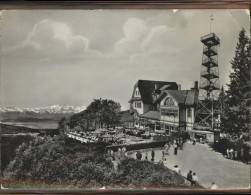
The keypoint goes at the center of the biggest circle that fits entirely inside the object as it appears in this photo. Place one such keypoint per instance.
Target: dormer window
(137, 94)
(169, 102)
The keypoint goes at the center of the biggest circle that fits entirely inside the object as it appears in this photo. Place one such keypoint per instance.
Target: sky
(70, 57)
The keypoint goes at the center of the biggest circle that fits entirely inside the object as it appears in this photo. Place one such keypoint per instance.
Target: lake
(35, 125)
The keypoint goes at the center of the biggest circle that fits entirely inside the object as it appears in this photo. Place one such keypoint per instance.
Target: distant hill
(54, 109)
(48, 113)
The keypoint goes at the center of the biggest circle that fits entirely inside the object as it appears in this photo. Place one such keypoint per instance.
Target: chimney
(196, 85)
(179, 86)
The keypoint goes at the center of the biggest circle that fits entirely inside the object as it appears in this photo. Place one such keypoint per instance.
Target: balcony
(210, 40)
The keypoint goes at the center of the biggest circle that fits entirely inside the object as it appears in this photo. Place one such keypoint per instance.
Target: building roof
(147, 87)
(155, 115)
(126, 116)
(186, 97)
(178, 95)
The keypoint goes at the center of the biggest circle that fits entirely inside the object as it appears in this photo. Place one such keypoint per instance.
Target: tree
(238, 93)
(223, 108)
(100, 113)
(62, 125)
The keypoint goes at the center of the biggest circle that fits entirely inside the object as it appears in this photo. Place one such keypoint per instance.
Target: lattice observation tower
(208, 109)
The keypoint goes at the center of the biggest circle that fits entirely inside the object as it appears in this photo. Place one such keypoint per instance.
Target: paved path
(208, 165)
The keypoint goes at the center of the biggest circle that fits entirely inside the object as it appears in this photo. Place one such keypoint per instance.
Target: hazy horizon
(70, 57)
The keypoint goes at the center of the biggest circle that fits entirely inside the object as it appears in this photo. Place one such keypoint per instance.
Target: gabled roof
(178, 95)
(186, 97)
(151, 115)
(147, 87)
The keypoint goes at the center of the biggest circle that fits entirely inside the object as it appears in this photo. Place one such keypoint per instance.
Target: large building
(162, 107)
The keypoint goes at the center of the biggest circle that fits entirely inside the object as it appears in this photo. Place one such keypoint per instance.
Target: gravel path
(208, 165)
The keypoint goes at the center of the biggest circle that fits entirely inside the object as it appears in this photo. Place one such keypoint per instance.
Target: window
(189, 112)
(168, 102)
(137, 104)
(137, 92)
(157, 126)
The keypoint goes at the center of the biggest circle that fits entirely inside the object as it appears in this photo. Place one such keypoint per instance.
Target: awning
(155, 115)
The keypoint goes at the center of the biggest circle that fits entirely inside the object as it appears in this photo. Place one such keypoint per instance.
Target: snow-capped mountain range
(54, 109)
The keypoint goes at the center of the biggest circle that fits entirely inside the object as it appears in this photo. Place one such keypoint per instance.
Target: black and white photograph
(125, 99)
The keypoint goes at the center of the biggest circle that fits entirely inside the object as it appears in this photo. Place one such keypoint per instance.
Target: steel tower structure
(208, 109)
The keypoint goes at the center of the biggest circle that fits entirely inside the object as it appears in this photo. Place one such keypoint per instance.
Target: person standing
(227, 152)
(231, 153)
(181, 144)
(242, 154)
(194, 179)
(246, 154)
(214, 186)
(189, 176)
(153, 155)
(236, 154)
(139, 155)
(175, 149)
(146, 158)
(176, 168)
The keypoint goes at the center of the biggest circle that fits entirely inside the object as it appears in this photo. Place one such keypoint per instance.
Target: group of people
(139, 155)
(192, 177)
(232, 154)
(120, 154)
(178, 144)
(241, 154)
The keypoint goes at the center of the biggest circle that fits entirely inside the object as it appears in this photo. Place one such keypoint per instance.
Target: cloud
(154, 35)
(134, 30)
(157, 40)
(52, 41)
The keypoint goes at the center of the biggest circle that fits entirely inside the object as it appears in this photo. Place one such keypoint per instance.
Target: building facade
(162, 107)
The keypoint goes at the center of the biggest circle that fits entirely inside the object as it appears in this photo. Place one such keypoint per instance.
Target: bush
(136, 173)
(59, 159)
